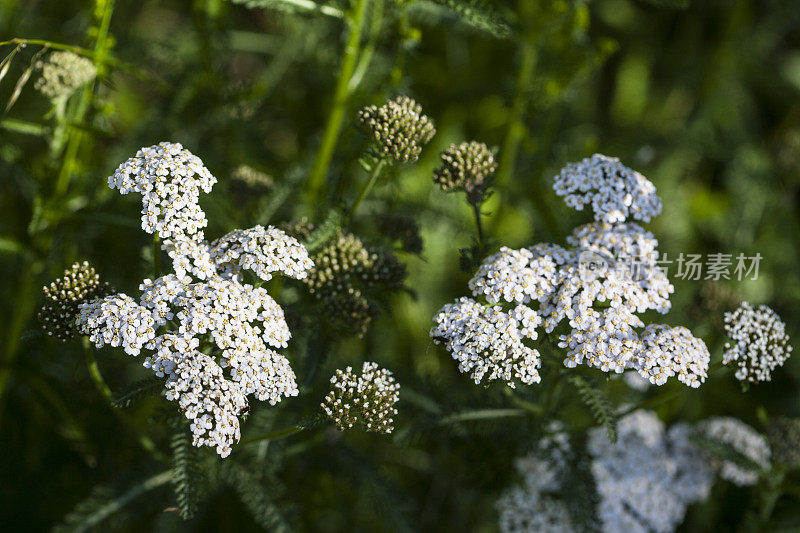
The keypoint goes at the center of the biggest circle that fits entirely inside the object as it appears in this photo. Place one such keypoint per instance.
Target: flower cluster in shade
(61, 73)
(744, 441)
(538, 503)
(397, 129)
(647, 479)
(208, 332)
(595, 287)
(759, 342)
(349, 278)
(363, 400)
(63, 297)
(643, 482)
(467, 167)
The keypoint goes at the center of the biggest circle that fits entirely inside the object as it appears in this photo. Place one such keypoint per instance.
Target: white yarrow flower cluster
(759, 342)
(118, 321)
(596, 287)
(647, 479)
(668, 351)
(746, 441)
(366, 399)
(61, 73)
(488, 342)
(262, 250)
(615, 192)
(533, 506)
(203, 303)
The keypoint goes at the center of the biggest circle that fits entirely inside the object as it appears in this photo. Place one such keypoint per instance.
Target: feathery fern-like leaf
(185, 470)
(103, 502)
(598, 404)
(144, 387)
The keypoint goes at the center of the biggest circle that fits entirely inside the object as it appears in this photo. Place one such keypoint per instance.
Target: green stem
(94, 371)
(333, 127)
(273, 435)
(516, 127)
(23, 306)
(482, 414)
(366, 188)
(102, 387)
(156, 256)
(536, 410)
(476, 208)
(103, 11)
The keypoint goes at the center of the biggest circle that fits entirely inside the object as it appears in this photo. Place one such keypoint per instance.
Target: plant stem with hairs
(316, 179)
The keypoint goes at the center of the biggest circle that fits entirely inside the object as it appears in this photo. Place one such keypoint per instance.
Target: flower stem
(476, 208)
(333, 127)
(516, 128)
(277, 434)
(366, 188)
(103, 10)
(94, 371)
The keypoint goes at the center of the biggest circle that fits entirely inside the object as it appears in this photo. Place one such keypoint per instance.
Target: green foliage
(148, 386)
(185, 471)
(292, 6)
(258, 498)
(598, 403)
(476, 13)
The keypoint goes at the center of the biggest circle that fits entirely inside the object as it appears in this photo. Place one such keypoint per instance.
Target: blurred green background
(703, 98)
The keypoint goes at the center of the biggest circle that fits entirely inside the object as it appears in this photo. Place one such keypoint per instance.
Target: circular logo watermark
(592, 265)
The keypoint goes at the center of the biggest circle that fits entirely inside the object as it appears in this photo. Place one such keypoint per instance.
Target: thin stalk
(274, 435)
(333, 127)
(516, 127)
(156, 256)
(366, 188)
(482, 414)
(94, 371)
(476, 208)
(23, 306)
(102, 387)
(104, 9)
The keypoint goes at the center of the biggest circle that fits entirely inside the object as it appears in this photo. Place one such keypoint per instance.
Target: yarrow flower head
(667, 351)
(262, 251)
(467, 167)
(349, 276)
(488, 342)
(760, 343)
(597, 287)
(61, 73)
(205, 299)
(366, 399)
(614, 192)
(398, 128)
(170, 179)
(63, 297)
(744, 440)
(649, 476)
